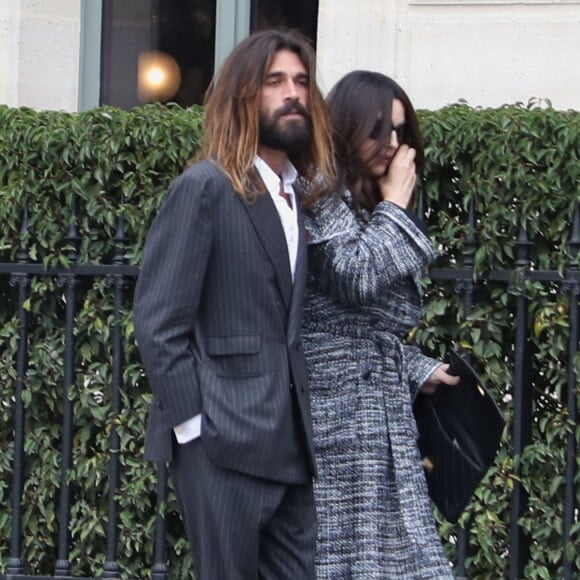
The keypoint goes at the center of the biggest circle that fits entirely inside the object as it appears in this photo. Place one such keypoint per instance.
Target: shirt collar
(271, 180)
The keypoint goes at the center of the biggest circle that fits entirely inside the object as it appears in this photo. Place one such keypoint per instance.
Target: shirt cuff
(188, 430)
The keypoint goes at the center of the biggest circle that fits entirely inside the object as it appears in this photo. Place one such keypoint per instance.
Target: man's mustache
(293, 107)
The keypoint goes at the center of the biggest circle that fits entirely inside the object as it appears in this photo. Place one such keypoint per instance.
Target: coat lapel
(266, 222)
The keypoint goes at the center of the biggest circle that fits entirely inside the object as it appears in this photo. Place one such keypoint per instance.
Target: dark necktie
(285, 195)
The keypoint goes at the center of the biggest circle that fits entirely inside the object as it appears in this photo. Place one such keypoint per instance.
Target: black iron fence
(120, 279)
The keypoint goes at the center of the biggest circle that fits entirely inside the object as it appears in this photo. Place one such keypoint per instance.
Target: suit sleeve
(355, 263)
(168, 293)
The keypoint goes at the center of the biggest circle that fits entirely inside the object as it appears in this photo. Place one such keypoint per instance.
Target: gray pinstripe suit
(217, 320)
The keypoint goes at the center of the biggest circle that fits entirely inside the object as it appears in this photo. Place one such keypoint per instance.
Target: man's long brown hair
(232, 111)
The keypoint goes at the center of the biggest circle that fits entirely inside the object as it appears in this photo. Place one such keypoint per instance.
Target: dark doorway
(299, 14)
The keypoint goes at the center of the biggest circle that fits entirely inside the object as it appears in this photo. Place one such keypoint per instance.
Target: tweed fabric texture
(363, 296)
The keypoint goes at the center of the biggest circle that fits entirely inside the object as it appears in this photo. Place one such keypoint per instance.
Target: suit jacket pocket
(235, 356)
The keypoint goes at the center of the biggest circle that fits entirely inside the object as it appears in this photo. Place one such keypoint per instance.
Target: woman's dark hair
(360, 106)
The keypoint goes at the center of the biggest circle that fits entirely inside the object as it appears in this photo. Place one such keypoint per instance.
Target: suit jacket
(217, 320)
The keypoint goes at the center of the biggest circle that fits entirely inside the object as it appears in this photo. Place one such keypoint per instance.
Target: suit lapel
(299, 281)
(266, 222)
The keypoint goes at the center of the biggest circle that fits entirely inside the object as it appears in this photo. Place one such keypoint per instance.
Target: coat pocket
(235, 356)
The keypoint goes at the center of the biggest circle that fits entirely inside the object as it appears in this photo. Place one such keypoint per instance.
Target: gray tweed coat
(363, 297)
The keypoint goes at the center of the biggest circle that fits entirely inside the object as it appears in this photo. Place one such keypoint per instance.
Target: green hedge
(115, 165)
(519, 164)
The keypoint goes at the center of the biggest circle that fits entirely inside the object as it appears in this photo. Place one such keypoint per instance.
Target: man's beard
(292, 135)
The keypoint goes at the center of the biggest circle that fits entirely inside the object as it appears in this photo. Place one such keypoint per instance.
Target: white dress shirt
(288, 214)
(191, 429)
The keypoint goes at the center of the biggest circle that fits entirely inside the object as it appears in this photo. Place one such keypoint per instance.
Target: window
(164, 50)
(156, 50)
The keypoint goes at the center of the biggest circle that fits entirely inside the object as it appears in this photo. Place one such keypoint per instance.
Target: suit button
(298, 346)
(291, 386)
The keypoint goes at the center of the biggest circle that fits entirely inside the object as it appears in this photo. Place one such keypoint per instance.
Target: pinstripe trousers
(241, 527)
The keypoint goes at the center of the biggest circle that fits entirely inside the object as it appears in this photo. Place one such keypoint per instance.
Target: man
(218, 310)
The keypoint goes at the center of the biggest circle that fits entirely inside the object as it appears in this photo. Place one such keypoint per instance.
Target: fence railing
(120, 279)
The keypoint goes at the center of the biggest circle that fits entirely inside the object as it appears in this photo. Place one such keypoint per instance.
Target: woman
(366, 258)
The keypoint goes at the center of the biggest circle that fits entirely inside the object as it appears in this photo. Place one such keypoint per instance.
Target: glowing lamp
(158, 77)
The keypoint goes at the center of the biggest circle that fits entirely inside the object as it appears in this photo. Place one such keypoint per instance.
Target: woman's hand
(398, 183)
(439, 377)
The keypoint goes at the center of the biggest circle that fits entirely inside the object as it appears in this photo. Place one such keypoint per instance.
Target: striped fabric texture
(218, 319)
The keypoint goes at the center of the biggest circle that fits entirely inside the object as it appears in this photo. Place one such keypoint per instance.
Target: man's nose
(291, 91)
